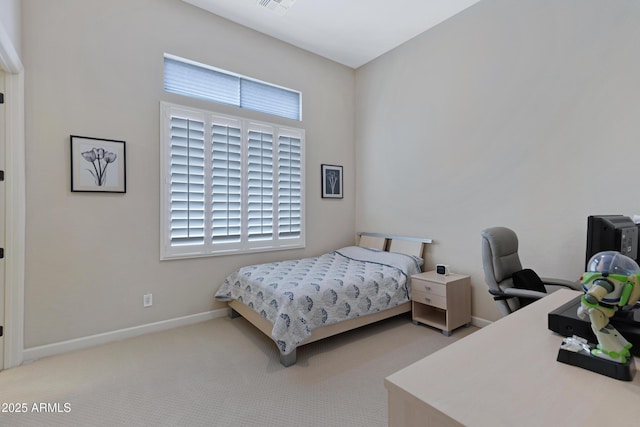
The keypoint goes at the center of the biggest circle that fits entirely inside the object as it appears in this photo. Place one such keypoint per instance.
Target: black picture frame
(331, 176)
(98, 165)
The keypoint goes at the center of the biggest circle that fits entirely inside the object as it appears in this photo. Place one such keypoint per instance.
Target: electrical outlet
(147, 300)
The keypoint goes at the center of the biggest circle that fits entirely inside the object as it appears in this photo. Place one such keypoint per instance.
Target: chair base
(585, 360)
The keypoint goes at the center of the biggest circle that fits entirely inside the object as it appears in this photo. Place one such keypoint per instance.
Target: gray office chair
(512, 286)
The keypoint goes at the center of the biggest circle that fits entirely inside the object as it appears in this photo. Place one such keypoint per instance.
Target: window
(230, 185)
(197, 80)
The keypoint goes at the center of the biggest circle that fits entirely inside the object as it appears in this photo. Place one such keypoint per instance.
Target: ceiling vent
(278, 6)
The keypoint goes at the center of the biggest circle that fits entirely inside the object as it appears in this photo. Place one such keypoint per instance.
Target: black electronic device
(564, 320)
(442, 269)
(611, 233)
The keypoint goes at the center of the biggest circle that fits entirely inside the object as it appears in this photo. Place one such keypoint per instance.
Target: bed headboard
(373, 242)
(403, 244)
(408, 247)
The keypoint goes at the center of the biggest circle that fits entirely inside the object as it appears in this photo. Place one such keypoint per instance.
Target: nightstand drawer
(429, 287)
(428, 298)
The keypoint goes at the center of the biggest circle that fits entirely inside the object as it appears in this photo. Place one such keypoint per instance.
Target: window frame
(208, 248)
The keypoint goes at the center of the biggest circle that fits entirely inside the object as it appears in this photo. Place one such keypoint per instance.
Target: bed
(296, 302)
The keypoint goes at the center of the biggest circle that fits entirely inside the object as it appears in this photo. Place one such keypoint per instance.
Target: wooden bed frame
(405, 245)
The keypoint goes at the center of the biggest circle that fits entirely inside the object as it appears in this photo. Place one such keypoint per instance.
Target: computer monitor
(611, 233)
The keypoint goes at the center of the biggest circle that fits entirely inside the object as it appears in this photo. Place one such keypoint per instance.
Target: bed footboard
(237, 309)
(287, 360)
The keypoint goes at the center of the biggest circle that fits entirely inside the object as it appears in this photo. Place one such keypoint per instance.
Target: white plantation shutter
(226, 183)
(187, 182)
(260, 185)
(289, 190)
(230, 185)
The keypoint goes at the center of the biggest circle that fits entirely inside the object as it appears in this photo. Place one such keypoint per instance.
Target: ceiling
(351, 32)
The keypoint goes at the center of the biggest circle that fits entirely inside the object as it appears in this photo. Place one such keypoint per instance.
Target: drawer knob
(427, 288)
(427, 299)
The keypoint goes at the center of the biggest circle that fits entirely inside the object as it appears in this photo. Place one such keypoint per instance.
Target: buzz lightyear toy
(612, 281)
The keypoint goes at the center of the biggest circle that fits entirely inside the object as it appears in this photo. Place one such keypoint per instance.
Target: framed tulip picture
(98, 165)
(331, 181)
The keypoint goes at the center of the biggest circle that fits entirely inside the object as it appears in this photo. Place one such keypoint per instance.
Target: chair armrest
(525, 293)
(561, 282)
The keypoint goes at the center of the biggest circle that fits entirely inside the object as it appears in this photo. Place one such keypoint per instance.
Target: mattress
(298, 296)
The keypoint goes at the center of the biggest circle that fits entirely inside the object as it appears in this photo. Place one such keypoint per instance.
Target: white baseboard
(34, 353)
(479, 322)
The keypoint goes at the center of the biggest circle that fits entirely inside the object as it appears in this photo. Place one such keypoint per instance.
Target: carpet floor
(222, 372)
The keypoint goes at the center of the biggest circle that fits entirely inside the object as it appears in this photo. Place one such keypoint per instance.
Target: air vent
(278, 6)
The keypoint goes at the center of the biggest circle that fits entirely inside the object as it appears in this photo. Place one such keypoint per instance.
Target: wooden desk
(506, 374)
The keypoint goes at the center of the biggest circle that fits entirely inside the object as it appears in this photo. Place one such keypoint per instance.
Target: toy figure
(612, 281)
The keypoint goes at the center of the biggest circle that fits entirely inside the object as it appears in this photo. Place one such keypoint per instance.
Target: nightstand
(443, 302)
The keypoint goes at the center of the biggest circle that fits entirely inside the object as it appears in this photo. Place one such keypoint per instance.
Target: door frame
(15, 214)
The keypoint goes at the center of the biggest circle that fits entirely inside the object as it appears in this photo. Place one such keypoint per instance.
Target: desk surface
(506, 374)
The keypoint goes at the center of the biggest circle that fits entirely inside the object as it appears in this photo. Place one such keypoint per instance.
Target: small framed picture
(98, 165)
(331, 181)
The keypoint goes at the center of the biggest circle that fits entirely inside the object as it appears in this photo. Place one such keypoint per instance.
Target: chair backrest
(500, 260)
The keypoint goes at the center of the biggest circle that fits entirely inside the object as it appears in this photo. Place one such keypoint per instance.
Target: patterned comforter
(298, 296)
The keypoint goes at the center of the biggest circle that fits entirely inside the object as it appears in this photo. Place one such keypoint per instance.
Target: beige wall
(512, 113)
(522, 114)
(94, 68)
